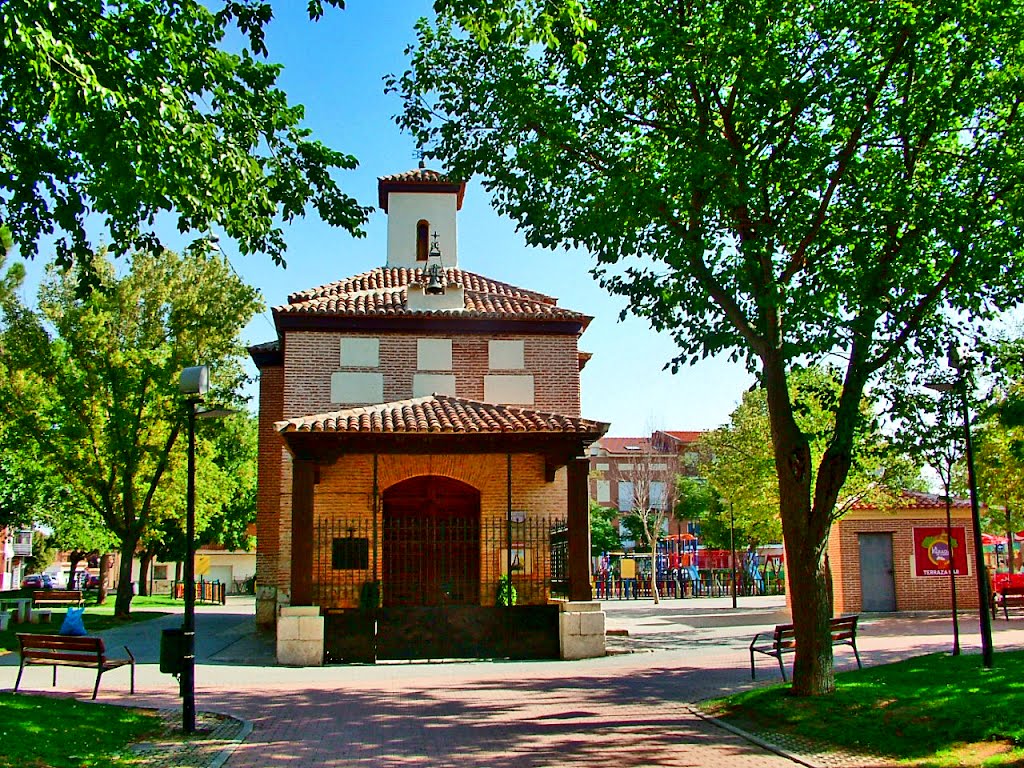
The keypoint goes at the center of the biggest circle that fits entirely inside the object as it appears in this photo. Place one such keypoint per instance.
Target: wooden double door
(431, 543)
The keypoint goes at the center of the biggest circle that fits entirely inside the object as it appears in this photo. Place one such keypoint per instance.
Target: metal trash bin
(172, 651)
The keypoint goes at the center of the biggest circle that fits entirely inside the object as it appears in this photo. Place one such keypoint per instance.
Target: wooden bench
(843, 630)
(1008, 597)
(57, 597)
(64, 651)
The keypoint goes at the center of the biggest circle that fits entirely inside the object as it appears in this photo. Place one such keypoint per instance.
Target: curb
(746, 735)
(222, 757)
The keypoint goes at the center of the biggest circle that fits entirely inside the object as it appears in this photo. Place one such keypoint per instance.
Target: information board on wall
(931, 551)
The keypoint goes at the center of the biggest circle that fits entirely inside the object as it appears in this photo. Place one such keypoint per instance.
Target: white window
(602, 467)
(359, 352)
(625, 496)
(625, 467)
(505, 355)
(659, 467)
(434, 354)
(604, 491)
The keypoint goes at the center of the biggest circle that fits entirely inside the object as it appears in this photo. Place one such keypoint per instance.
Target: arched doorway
(431, 543)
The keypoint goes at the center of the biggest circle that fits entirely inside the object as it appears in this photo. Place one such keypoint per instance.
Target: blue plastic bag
(73, 624)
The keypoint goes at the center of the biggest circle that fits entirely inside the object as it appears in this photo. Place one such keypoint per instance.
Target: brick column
(579, 530)
(302, 532)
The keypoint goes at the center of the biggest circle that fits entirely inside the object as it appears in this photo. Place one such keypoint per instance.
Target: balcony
(23, 544)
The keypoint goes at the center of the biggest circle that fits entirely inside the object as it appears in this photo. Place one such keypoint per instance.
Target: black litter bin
(172, 651)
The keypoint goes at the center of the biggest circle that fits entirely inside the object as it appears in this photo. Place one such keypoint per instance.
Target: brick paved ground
(623, 710)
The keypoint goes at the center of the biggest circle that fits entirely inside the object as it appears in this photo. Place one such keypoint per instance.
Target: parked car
(92, 581)
(38, 581)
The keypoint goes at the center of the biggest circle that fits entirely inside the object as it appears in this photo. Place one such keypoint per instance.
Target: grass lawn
(97, 617)
(96, 734)
(934, 711)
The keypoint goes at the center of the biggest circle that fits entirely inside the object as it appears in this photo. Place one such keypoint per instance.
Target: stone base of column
(300, 636)
(581, 630)
(266, 606)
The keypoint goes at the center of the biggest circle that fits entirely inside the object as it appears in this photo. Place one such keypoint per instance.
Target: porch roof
(444, 414)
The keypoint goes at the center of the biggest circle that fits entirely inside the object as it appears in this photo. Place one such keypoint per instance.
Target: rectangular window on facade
(625, 496)
(602, 467)
(657, 495)
(350, 554)
(160, 572)
(360, 352)
(506, 355)
(604, 491)
(434, 354)
(508, 389)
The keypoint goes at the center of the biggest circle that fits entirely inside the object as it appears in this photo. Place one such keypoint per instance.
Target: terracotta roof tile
(382, 291)
(625, 445)
(420, 174)
(441, 414)
(684, 437)
(915, 500)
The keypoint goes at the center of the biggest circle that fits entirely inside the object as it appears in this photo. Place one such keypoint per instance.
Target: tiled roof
(419, 180)
(421, 174)
(625, 445)
(684, 437)
(441, 414)
(382, 292)
(915, 500)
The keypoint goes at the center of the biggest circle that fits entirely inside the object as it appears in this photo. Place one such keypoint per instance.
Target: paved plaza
(631, 708)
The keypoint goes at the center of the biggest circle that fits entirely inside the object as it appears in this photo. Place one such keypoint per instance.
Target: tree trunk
(122, 605)
(145, 563)
(804, 533)
(101, 594)
(654, 569)
(74, 558)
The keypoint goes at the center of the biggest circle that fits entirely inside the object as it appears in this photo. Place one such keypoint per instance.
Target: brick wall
(311, 357)
(345, 493)
(913, 593)
(268, 482)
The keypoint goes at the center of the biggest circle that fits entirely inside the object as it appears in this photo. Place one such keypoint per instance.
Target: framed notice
(932, 551)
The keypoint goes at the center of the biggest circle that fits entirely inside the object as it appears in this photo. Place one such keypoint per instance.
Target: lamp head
(195, 381)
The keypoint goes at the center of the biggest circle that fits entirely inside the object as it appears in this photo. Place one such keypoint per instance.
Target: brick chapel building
(420, 428)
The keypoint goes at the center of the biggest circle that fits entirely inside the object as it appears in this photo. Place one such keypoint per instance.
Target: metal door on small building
(877, 582)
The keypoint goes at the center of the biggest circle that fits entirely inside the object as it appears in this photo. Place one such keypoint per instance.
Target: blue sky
(335, 68)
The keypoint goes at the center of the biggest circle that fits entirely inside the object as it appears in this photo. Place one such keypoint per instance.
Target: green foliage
(781, 183)
(44, 553)
(101, 372)
(507, 593)
(132, 109)
(740, 462)
(918, 709)
(36, 732)
(697, 500)
(604, 535)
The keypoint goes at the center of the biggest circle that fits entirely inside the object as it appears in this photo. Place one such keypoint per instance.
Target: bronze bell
(435, 282)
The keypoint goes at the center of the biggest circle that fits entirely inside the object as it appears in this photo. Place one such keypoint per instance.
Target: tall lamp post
(984, 618)
(194, 384)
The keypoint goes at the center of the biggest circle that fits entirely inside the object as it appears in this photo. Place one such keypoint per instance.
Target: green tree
(132, 108)
(604, 535)
(100, 372)
(775, 181)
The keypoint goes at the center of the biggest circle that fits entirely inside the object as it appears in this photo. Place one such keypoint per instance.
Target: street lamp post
(732, 546)
(194, 384)
(984, 619)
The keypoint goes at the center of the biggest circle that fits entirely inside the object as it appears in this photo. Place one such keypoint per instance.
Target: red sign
(931, 551)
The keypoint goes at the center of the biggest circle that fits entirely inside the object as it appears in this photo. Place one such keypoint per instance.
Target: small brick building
(420, 432)
(895, 559)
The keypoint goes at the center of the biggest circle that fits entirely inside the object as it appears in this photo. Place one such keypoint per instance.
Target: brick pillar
(579, 530)
(302, 531)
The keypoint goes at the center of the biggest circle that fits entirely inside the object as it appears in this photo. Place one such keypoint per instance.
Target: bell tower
(421, 204)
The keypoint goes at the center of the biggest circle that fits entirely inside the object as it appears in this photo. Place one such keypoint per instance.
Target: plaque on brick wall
(350, 554)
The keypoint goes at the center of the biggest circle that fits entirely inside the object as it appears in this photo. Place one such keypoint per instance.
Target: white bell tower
(420, 205)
